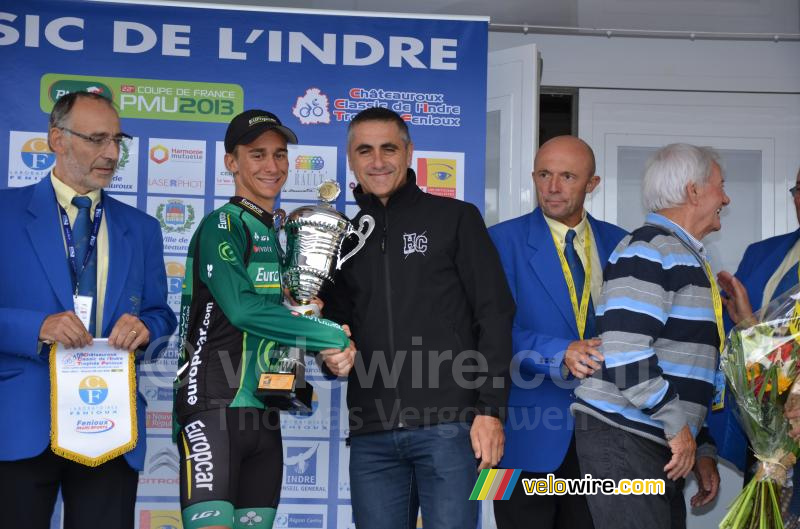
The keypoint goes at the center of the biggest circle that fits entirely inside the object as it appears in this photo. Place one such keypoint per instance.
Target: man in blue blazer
(767, 270)
(543, 253)
(123, 279)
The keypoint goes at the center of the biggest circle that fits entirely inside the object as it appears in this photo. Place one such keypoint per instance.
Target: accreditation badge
(92, 402)
(718, 401)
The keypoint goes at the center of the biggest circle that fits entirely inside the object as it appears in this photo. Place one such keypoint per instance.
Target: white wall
(662, 64)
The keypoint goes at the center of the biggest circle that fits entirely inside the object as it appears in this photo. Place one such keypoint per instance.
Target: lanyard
(98, 215)
(581, 312)
(717, 302)
(794, 322)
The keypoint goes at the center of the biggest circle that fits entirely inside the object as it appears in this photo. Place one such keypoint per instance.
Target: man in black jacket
(431, 313)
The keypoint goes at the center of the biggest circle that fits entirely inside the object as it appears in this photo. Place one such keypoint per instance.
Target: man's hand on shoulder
(488, 440)
(129, 333)
(65, 328)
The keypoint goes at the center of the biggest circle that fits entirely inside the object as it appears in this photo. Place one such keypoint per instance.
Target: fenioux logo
(174, 215)
(92, 426)
(151, 98)
(159, 154)
(175, 273)
(36, 155)
(93, 390)
(64, 86)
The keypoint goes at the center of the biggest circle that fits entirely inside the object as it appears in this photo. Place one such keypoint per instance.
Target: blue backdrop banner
(178, 75)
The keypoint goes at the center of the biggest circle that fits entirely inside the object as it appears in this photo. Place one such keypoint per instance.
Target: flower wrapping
(761, 361)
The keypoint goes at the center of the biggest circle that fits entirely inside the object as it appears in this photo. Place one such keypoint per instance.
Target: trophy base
(278, 390)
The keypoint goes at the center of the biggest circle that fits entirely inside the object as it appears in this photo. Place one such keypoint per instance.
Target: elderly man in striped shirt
(660, 319)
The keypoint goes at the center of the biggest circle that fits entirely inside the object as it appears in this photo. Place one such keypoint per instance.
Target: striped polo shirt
(660, 340)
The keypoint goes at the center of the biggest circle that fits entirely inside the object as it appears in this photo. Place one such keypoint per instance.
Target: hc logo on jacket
(415, 243)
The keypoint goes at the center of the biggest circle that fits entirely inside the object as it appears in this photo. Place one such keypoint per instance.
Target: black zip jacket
(430, 312)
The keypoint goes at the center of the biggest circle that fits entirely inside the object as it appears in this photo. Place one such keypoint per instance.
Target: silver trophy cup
(314, 239)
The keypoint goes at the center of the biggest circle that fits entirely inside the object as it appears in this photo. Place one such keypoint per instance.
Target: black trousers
(102, 496)
(521, 511)
(608, 452)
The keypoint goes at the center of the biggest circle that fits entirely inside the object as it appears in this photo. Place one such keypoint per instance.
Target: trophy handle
(365, 226)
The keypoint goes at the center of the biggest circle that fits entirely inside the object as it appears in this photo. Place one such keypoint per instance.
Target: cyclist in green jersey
(231, 318)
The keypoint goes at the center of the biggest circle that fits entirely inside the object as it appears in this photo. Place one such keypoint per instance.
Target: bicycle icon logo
(311, 109)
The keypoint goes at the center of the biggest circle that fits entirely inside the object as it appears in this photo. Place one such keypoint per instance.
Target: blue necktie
(81, 231)
(788, 281)
(578, 277)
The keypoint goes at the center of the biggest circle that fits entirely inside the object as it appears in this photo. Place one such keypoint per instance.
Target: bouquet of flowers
(761, 362)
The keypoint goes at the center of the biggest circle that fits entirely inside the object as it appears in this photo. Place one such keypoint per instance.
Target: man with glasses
(768, 269)
(78, 265)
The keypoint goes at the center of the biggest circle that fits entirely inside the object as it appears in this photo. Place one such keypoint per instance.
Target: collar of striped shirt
(661, 220)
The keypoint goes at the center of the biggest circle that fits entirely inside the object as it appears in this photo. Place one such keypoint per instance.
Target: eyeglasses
(794, 190)
(121, 140)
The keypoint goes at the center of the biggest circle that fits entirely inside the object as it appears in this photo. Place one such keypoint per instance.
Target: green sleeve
(220, 255)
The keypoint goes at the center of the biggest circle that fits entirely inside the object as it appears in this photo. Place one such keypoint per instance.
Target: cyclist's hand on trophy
(307, 309)
(318, 302)
(339, 361)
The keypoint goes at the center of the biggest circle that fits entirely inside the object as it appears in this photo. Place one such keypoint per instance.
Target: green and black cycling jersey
(232, 314)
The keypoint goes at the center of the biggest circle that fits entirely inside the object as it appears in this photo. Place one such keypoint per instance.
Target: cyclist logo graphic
(312, 107)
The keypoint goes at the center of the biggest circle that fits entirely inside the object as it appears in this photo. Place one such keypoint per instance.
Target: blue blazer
(539, 425)
(35, 282)
(760, 261)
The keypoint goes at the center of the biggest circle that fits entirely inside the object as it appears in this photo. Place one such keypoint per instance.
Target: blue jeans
(393, 474)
